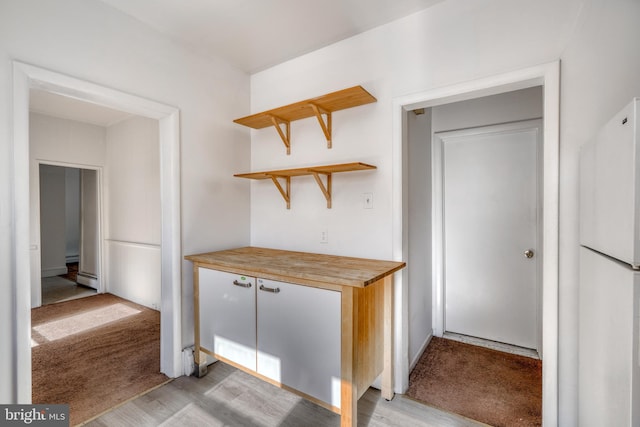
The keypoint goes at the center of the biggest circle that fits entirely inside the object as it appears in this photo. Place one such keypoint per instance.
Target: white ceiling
(64, 107)
(250, 34)
(257, 34)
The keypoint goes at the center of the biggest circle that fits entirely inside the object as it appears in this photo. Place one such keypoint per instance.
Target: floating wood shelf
(315, 171)
(315, 107)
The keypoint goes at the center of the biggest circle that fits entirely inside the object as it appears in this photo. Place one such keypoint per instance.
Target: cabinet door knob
(274, 290)
(529, 253)
(242, 285)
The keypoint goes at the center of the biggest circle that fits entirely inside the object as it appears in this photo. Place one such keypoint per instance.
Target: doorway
(413, 336)
(490, 202)
(26, 77)
(69, 232)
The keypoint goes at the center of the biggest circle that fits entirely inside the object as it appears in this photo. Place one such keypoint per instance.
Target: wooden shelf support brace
(326, 190)
(285, 193)
(326, 126)
(286, 135)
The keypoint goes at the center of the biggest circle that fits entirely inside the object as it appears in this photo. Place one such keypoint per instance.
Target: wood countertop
(298, 267)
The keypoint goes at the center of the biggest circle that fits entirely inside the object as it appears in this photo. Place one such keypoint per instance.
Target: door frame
(36, 285)
(548, 76)
(25, 77)
(438, 219)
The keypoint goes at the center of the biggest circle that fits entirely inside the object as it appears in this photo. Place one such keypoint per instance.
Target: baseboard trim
(414, 361)
(54, 271)
(494, 345)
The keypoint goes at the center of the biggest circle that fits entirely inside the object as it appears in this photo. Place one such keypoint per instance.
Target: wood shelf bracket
(326, 190)
(284, 135)
(285, 192)
(325, 125)
(325, 184)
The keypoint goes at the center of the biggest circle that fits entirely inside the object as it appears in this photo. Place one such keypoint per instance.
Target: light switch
(367, 200)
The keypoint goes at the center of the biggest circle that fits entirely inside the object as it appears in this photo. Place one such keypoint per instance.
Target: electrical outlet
(367, 200)
(324, 236)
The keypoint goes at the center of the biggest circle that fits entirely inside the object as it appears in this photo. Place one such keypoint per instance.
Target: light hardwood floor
(229, 397)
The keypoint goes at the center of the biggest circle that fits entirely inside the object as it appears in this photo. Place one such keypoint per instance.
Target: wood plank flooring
(229, 397)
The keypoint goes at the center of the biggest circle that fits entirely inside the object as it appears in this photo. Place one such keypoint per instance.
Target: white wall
(524, 104)
(52, 220)
(449, 43)
(91, 41)
(132, 220)
(418, 233)
(600, 69)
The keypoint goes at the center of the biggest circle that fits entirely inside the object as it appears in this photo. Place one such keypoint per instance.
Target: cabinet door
(228, 316)
(299, 338)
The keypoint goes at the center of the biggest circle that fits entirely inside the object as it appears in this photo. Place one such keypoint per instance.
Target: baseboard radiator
(87, 279)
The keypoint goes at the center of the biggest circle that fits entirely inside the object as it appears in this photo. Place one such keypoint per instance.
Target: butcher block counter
(318, 325)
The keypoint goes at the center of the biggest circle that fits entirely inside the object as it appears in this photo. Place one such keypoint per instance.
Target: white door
(490, 194)
(89, 229)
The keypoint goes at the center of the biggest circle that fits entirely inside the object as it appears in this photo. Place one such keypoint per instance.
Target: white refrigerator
(608, 362)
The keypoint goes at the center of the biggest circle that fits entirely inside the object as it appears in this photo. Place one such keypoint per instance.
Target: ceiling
(252, 35)
(63, 107)
(256, 34)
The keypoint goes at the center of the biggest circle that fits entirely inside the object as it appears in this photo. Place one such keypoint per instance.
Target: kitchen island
(318, 325)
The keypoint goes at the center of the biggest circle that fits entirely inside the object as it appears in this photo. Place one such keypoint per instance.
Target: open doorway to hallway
(469, 166)
(26, 78)
(96, 204)
(114, 159)
(420, 328)
(69, 232)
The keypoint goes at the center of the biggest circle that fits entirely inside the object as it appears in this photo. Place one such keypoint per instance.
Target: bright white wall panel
(134, 272)
(419, 233)
(133, 181)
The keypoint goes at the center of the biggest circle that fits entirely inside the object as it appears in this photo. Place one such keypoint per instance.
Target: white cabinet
(287, 333)
(322, 326)
(227, 315)
(299, 338)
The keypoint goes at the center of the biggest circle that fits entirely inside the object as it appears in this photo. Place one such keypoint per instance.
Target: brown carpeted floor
(490, 386)
(94, 353)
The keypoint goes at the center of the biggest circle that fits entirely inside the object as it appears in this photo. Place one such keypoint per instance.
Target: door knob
(529, 253)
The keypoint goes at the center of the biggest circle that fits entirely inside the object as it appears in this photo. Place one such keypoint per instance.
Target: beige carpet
(94, 353)
(496, 388)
